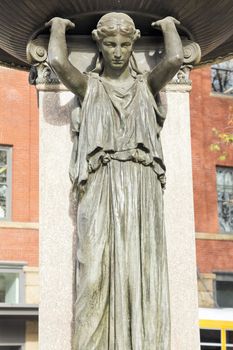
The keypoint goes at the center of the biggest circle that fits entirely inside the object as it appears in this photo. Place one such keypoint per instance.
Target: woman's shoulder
(93, 81)
(92, 75)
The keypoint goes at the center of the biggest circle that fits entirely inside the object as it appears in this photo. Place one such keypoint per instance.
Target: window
(216, 335)
(210, 339)
(225, 198)
(11, 283)
(224, 289)
(12, 333)
(5, 182)
(229, 340)
(9, 288)
(222, 77)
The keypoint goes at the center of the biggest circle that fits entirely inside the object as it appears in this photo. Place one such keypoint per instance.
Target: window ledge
(19, 310)
(215, 236)
(18, 265)
(220, 95)
(19, 224)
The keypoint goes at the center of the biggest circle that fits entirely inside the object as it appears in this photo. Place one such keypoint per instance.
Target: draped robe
(118, 173)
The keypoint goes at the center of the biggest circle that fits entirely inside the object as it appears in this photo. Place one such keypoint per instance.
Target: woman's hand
(58, 58)
(165, 23)
(170, 64)
(62, 23)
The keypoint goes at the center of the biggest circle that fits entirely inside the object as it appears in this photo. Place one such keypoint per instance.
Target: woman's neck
(117, 75)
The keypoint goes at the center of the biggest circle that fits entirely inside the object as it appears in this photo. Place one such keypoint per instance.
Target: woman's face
(116, 51)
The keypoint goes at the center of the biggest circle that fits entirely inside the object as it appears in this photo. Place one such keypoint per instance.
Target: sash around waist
(136, 155)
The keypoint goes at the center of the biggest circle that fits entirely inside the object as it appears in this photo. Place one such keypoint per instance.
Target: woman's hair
(113, 23)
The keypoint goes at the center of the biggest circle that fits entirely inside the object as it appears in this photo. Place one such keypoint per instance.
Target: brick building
(211, 118)
(19, 208)
(18, 212)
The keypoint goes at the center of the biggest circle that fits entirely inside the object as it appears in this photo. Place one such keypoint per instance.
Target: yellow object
(223, 326)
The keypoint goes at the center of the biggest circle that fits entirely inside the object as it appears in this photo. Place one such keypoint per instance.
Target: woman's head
(115, 36)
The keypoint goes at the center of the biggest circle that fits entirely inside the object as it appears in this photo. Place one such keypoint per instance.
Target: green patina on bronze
(118, 174)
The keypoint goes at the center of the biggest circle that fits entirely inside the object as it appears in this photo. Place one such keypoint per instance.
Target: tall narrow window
(225, 198)
(5, 182)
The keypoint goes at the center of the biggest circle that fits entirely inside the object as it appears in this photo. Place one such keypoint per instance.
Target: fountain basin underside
(209, 23)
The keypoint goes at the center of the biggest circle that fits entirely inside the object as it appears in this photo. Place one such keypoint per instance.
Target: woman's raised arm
(171, 63)
(70, 76)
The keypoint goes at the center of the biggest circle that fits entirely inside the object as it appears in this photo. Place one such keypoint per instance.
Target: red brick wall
(208, 112)
(19, 245)
(214, 255)
(19, 128)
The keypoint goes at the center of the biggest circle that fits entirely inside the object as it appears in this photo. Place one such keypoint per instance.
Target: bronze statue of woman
(122, 293)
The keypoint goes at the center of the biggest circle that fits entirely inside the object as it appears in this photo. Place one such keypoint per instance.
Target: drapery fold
(122, 288)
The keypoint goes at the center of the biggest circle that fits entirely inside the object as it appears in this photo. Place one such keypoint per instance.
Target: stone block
(31, 336)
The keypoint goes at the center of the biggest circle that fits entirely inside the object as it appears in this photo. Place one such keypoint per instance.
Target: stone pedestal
(57, 251)
(179, 220)
(56, 227)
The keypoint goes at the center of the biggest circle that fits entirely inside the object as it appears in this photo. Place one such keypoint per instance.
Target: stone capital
(181, 81)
